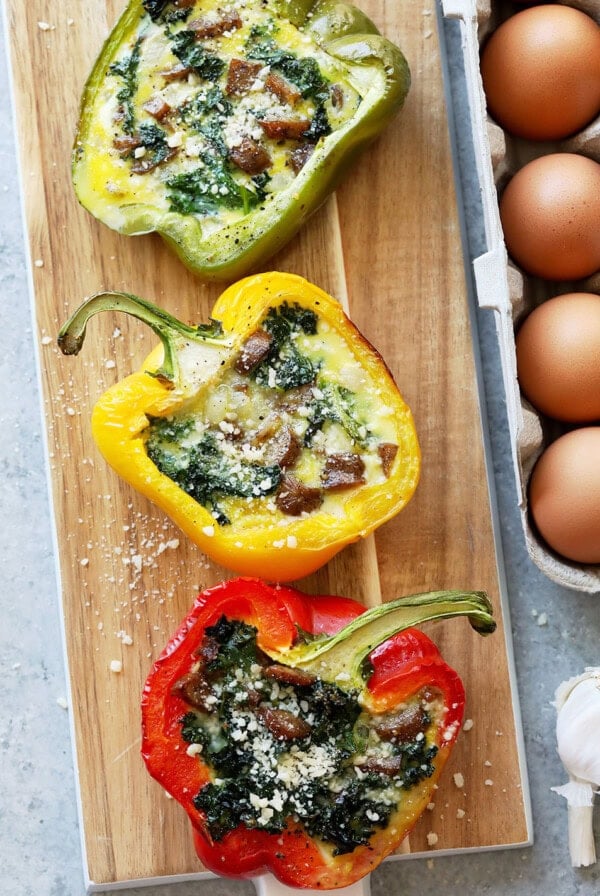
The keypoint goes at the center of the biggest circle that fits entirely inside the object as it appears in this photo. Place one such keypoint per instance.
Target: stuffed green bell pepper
(222, 127)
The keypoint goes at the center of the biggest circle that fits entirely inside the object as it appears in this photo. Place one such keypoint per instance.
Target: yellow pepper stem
(72, 335)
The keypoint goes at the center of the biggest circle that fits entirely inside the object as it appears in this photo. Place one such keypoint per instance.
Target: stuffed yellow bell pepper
(273, 436)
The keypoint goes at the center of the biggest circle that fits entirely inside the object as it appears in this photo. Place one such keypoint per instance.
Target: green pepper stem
(72, 335)
(340, 657)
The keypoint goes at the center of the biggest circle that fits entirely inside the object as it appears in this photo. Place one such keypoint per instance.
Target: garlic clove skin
(578, 734)
(578, 728)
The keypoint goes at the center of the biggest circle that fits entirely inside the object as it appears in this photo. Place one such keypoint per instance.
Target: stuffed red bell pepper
(303, 734)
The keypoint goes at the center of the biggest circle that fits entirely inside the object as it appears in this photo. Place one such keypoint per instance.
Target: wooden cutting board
(390, 241)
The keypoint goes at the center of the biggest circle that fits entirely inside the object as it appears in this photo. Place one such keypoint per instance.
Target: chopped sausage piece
(254, 698)
(266, 431)
(144, 165)
(213, 27)
(343, 471)
(337, 96)
(299, 157)
(250, 156)
(430, 695)
(178, 73)
(284, 725)
(284, 449)
(126, 143)
(284, 128)
(288, 675)
(208, 650)
(157, 107)
(196, 691)
(232, 432)
(282, 89)
(183, 4)
(402, 726)
(294, 498)
(297, 398)
(254, 350)
(241, 75)
(383, 765)
(387, 452)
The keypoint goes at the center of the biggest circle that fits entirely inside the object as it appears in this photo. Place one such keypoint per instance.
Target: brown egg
(558, 357)
(550, 212)
(564, 495)
(541, 72)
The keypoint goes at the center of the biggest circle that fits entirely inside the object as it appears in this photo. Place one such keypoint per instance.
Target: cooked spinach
(263, 31)
(319, 125)
(226, 806)
(212, 129)
(154, 139)
(177, 15)
(285, 367)
(338, 405)
(281, 322)
(237, 647)
(206, 189)
(155, 8)
(350, 820)
(195, 111)
(261, 182)
(193, 55)
(202, 469)
(127, 69)
(304, 73)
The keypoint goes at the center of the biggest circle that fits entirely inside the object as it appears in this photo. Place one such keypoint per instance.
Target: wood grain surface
(390, 241)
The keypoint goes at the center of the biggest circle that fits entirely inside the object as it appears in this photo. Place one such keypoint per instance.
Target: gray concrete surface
(39, 840)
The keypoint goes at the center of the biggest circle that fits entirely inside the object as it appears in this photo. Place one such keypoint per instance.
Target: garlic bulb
(577, 703)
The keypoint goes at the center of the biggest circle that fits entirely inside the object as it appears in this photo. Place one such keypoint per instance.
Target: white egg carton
(499, 284)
